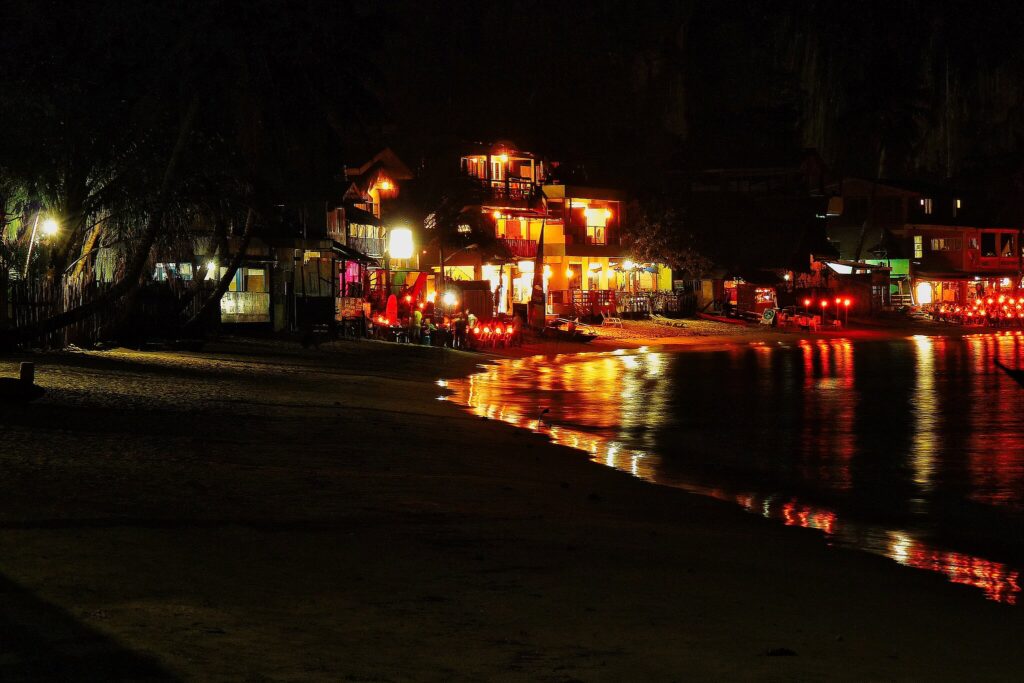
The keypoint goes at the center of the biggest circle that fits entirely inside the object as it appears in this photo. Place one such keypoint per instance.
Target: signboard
(348, 307)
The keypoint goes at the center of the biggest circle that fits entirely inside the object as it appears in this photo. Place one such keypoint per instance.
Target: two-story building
(584, 262)
(359, 227)
(941, 247)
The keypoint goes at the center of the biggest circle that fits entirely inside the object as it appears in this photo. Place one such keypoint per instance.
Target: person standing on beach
(460, 332)
(415, 325)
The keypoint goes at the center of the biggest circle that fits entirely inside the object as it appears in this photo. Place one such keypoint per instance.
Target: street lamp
(400, 246)
(400, 243)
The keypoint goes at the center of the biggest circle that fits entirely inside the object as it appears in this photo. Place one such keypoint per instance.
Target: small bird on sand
(540, 418)
(21, 390)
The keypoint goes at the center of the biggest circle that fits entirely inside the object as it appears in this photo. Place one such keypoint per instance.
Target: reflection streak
(604, 403)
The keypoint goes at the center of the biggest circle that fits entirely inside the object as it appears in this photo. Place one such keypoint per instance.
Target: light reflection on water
(880, 446)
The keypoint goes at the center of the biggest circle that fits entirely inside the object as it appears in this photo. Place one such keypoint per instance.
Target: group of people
(456, 331)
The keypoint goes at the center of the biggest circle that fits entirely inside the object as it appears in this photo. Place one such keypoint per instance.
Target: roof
(890, 246)
(497, 147)
(900, 186)
(556, 191)
(353, 214)
(385, 159)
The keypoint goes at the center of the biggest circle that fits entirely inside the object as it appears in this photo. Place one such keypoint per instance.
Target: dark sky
(923, 88)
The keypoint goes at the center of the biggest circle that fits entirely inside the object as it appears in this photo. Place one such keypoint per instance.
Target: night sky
(634, 91)
(637, 88)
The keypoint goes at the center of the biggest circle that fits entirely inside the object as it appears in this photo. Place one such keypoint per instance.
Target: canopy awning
(347, 253)
(353, 214)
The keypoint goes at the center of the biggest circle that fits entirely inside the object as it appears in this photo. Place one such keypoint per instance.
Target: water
(910, 449)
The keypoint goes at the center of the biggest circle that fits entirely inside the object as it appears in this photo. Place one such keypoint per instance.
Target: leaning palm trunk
(133, 272)
(869, 219)
(225, 281)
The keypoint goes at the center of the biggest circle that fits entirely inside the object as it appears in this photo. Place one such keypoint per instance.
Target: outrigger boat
(1017, 375)
(574, 331)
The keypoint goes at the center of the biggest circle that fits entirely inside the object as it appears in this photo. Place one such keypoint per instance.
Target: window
(946, 244)
(247, 280)
(172, 271)
(1006, 244)
(508, 229)
(596, 218)
(918, 246)
(474, 167)
(988, 244)
(927, 204)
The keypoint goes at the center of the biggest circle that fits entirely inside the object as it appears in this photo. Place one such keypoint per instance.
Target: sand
(260, 512)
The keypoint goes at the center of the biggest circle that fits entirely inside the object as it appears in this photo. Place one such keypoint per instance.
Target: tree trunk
(869, 219)
(87, 248)
(134, 270)
(225, 281)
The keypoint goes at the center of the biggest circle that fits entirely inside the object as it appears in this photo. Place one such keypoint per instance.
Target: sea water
(912, 449)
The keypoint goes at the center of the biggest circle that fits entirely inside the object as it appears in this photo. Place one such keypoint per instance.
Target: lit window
(927, 204)
(946, 244)
(918, 246)
(597, 219)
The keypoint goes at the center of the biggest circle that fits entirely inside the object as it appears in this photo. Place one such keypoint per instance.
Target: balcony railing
(520, 248)
(371, 246)
(510, 188)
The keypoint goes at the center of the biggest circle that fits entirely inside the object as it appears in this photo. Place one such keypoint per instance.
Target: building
(942, 247)
(764, 229)
(585, 265)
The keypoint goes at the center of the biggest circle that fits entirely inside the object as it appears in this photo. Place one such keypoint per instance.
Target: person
(415, 325)
(471, 318)
(517, 331)
(460, 332)
(428, 331)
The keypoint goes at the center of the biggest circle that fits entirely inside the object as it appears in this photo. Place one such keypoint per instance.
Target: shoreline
(321, 515)
(995, 575)
(715, 334)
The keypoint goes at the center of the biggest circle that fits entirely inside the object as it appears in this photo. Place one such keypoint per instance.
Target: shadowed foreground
(259, 511)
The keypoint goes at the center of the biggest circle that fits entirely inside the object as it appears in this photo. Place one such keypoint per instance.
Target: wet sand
(260, 512)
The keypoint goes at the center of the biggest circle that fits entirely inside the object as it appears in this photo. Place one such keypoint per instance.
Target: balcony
(520, 248)
(510, 189)
(370, 246)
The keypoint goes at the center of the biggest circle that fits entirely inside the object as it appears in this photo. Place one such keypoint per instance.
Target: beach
(259, 511)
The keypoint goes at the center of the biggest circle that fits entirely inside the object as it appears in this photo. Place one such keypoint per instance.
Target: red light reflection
(599, 392)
